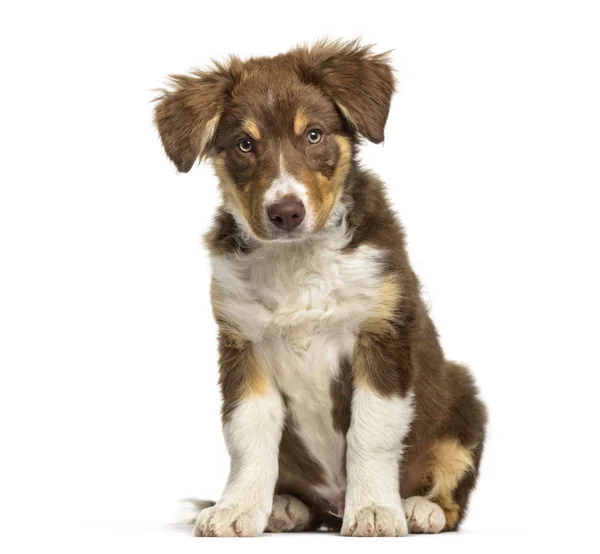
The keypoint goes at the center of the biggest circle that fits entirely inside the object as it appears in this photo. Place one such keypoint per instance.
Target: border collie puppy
(339, 408)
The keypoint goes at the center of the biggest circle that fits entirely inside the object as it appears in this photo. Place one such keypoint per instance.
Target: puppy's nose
(286, 214)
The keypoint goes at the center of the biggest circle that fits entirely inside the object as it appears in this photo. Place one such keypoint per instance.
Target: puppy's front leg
(253, 419)
(382, 411)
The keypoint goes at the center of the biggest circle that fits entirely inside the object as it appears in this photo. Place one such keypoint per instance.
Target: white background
(108, 397)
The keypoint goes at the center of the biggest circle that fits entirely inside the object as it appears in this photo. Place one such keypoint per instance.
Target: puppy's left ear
(358, 81)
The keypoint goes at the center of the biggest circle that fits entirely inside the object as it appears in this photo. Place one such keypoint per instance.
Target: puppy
(339, 408)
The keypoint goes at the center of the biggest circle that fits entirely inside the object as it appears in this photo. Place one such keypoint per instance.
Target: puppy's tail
(191, 508)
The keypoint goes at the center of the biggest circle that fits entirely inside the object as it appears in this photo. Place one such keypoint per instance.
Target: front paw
(229, 521)
(374, 521)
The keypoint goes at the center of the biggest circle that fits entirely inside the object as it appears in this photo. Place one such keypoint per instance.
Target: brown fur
(345, 90)
(240, 375)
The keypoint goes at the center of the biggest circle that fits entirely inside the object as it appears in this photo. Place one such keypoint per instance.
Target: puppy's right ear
(187, 115)
(359, 82)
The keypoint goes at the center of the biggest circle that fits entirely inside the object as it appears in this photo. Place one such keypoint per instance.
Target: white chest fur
(301, 305)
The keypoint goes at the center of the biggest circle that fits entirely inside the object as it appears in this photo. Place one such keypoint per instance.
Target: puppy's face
(282, 155)
(280, 131)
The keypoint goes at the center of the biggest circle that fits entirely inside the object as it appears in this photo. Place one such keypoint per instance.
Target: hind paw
(423, 516)
(288, 514)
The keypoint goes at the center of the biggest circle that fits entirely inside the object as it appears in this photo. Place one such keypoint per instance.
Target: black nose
(286, 214)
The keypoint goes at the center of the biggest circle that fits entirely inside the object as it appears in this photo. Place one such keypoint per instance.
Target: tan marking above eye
(300, 121)
(252, 129)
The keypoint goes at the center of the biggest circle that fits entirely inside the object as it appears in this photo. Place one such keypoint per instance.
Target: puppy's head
(280, 131)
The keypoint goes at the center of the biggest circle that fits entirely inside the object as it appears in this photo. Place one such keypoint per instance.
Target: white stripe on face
(287, 185)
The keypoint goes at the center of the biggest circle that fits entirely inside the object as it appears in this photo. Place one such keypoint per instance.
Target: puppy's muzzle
(287, 213)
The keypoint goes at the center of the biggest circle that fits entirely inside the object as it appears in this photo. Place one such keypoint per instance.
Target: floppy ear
(359, 82)
(187, 115)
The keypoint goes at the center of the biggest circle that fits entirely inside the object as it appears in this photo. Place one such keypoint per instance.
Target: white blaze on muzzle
(286, 185)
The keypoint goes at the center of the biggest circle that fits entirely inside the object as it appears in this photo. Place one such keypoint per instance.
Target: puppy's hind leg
(455, 455)
(288, 514)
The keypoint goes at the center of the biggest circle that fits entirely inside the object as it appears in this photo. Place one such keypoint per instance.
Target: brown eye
(314, 136)
(245, 145)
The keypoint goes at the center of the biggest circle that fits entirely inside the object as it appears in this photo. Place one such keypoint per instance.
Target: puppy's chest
(302, 309)
(300, 293)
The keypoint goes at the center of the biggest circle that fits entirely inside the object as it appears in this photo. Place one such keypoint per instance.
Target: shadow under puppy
(337, 399)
